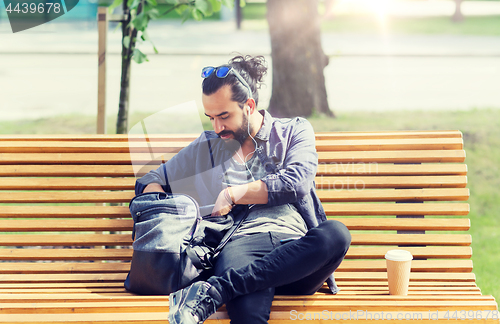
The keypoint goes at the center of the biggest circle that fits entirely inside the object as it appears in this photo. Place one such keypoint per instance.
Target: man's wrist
(228, 196)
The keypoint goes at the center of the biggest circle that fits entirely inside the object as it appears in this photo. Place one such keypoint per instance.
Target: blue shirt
(286, 147)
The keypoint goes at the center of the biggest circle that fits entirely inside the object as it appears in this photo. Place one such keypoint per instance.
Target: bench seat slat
(336, 183)
(441, 252)
(346, 169)
(337, 305)
(123, 267)
(280, 299)
(76, 239)
(416, 265)
(439, 287)
(429, 194)
(78, 225)
(348, 276)
(219, 318)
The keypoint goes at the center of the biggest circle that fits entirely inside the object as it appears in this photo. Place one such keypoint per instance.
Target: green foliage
(143, 11)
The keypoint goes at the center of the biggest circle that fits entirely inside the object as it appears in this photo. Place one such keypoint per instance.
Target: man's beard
(241, 134)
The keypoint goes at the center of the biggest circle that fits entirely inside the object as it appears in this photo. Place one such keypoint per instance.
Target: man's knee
(334, 236)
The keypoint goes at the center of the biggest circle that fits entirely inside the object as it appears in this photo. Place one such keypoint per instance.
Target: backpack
(166, 227)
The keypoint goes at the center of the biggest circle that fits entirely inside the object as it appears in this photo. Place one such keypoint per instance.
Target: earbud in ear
(248, 110)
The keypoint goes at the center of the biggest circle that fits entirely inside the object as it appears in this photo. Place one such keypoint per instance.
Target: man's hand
(222, 205)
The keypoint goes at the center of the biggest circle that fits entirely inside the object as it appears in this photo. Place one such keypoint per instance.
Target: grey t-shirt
(262, 218)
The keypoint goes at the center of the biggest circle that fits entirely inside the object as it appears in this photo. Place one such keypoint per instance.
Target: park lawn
(254, 17)
(481, 130)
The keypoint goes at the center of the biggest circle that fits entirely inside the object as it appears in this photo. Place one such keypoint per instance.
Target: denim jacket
(287, 150)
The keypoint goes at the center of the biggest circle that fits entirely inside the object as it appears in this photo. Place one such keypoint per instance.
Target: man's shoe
(193, 304)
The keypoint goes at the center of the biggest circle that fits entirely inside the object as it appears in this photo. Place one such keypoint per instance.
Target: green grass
(254, 16)
(481, 129)
(487, 25)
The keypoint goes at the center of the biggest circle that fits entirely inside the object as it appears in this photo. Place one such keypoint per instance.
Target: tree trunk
(458, 16)
(123, 105)
(298, 59)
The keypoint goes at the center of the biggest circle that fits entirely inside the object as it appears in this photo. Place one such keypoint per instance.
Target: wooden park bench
(65, 229)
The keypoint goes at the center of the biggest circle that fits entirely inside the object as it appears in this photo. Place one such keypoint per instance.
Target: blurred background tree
(298, 59)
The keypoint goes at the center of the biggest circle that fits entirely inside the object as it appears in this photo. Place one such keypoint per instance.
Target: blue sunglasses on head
(222, 72)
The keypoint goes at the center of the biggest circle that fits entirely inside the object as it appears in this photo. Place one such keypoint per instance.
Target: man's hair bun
(254, 66)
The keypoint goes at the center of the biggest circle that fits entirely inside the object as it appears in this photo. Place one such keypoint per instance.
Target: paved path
(53, 70)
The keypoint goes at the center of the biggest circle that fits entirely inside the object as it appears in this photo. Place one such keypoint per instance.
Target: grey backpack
(165, 225)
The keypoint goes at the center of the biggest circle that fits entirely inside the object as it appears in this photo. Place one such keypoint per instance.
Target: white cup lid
(398, 255)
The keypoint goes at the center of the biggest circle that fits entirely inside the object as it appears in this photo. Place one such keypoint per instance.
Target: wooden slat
(364, 182)
(335, 209)
(191, 137)
(61, 268)
(173, 147)
(388, 134)
(379, 169)
(388, 144)
(64, 225)
(335, 169)
(405, 224)
(122, 296)
(411, 239)
(431, 194)
(67, 184)
(414, 285)
(68, 170)
(219, 317)
(114, 137)
(64, 278)
(347, 265)
(347, 276)
(428, 156)
(79, 158)
(318, 306)
(444, 156)
(64, 211)
(80, 307)
(65, 239)
(335, 183)
(65, 254)
(64, 285)
(125, 239)
(91, 147)
(441, 252)
(340, 209)
(416, 266)
(438, 277)
(79, 225)
(279, 299)
(67, 197)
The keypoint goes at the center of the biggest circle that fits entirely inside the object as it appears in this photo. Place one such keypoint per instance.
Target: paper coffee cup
(398, 271)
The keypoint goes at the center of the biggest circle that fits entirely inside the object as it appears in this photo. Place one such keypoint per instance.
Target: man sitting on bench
(285, 245)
